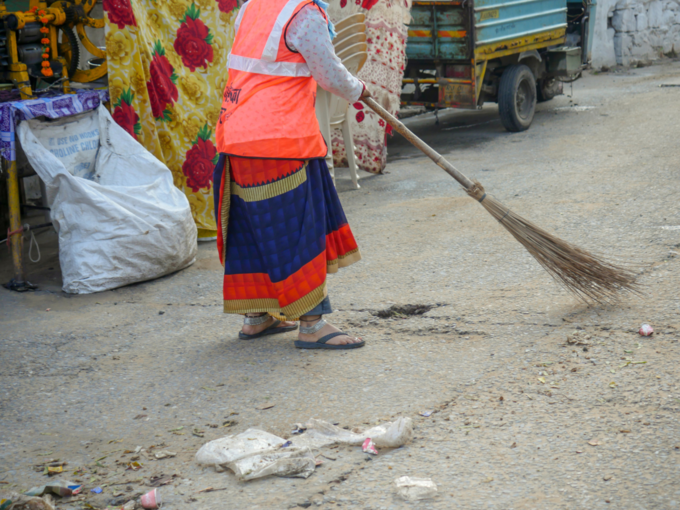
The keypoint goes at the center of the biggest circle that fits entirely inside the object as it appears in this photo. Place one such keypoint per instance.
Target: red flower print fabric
(125, 115)
(368, 4)
(227, 5)
(161, 87)
(200, 161)
(120, 13)
(194, 41)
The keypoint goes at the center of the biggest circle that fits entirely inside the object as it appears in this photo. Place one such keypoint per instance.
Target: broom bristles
(590, 278)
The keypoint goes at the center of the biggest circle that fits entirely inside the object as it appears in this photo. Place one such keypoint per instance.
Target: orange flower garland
(45, 41)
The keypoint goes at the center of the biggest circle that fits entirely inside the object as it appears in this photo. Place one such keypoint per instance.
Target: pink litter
(646, 330)
(369, 447)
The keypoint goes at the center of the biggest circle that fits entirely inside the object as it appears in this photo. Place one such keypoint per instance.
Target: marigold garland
(45, 41)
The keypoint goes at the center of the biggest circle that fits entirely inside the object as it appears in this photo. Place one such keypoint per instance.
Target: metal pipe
(16, 240)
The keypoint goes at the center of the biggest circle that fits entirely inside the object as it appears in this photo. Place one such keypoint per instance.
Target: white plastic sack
(128, 224)
(255, 454)
(388, 435)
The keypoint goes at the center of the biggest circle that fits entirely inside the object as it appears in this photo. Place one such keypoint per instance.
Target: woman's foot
(254, 330)
(327, 329)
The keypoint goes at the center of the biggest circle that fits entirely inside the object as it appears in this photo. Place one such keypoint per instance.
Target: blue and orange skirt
(281, 229)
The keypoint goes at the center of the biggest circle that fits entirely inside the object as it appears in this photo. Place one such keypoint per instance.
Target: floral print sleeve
(308, 34)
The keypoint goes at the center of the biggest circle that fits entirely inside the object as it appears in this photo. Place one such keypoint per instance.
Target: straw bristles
(587, 276)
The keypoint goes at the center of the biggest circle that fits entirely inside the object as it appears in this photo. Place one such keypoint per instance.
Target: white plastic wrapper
(221, 452)
(120, 221)
(291, 461)
(255, 454)
(414, 489)
(388, 435)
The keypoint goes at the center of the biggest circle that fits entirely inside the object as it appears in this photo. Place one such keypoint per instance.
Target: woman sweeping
(282, 228)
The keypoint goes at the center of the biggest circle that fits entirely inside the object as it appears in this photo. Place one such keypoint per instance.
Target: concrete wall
(631, 31)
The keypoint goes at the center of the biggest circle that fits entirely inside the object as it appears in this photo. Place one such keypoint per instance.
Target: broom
(587, 276)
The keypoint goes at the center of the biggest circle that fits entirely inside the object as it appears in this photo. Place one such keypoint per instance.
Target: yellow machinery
(21, 50)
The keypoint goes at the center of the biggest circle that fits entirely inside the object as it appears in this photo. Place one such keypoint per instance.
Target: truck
(464, 53)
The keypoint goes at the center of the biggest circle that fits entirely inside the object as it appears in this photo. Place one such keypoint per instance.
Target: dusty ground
(522, 419)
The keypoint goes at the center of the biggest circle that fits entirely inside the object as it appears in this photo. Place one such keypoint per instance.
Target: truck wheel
(548, 88)
(517, 98)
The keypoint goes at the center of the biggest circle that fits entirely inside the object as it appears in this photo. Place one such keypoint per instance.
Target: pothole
(403, 311)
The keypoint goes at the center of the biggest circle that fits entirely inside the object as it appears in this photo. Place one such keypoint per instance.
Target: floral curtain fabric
(167, 71)
(383, 71)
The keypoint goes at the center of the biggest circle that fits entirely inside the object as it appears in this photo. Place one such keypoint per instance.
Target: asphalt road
(521, 418)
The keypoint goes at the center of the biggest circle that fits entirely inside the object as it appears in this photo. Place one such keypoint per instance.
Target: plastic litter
(414, 489)
(164, 454)
(232, 448)
(151, 499)
(369, 447)
(16, 501)
(388, 435)
(96, 490)
(579, 337)
(255, 454)
(291, 462)
(61, 488)
(646, 330)
(119, 216)
(426, 414)
(299, 428)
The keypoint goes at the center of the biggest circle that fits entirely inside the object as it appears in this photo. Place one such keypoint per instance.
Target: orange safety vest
(268, 106)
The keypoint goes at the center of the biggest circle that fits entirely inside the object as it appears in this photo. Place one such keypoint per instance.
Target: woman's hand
(366, 93)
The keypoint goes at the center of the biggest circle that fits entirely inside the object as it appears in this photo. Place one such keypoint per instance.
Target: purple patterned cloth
(51, 107)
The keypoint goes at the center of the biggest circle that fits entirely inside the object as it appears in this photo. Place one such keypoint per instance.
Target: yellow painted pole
(16, 240)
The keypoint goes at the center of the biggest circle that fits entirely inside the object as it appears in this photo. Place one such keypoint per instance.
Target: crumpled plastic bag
(228, 449)
(291, 462)
(320, 433)
(255, 454)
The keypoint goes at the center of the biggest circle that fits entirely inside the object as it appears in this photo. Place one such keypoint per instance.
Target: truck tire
(548, 88)
(517, 98)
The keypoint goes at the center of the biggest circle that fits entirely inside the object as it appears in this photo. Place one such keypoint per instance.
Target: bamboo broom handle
(429, 151)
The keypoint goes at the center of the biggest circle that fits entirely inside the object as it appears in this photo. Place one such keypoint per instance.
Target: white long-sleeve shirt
(308, 34)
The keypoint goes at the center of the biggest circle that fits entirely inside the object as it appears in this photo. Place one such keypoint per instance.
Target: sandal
(270, 330)
(321, 342)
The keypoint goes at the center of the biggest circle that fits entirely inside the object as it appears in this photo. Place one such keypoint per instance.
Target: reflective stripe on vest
(267, 64)
(255, 65)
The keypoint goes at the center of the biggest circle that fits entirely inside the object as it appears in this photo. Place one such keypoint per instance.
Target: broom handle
(429, 151)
